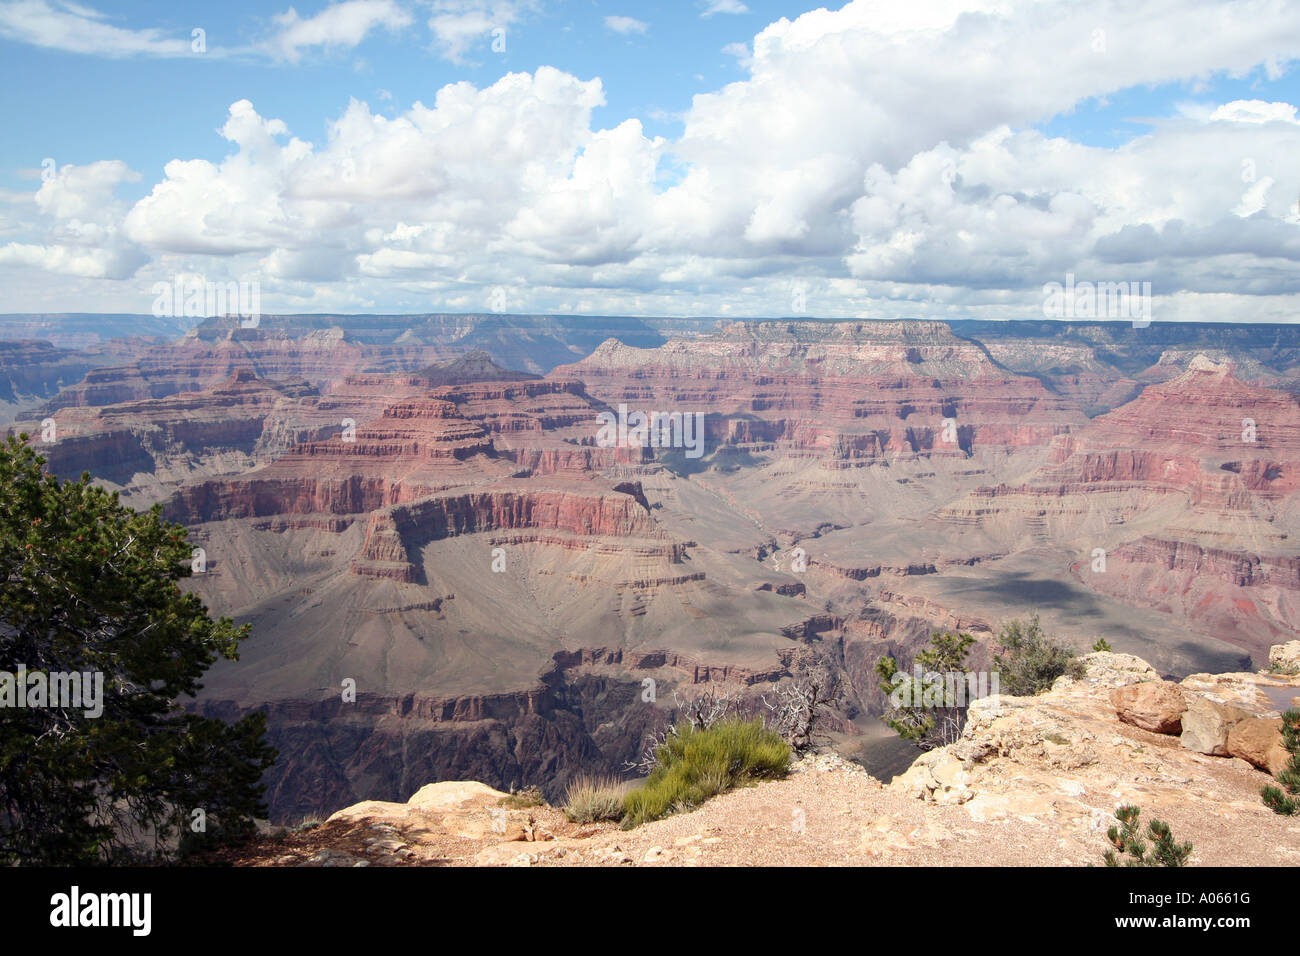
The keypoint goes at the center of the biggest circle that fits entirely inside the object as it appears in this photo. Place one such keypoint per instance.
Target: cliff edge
(1031, 781)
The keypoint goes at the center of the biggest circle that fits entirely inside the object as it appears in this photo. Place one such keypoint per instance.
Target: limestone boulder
(456, 795)
(1206, 724)
(1157, 706)
(1258, 741)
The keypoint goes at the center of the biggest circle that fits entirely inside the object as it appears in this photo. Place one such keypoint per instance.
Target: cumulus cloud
(339, 25)
(90, 263)
(78, 216)
(866, 152)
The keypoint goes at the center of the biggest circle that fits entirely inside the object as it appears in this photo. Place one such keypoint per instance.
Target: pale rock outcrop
(444, 796)
(1110, 669)
(1054, 757)
(1237, 690)
(1156, 706)
(1285, 657)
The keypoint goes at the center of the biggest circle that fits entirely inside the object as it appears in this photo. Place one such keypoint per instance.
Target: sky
(940, 159)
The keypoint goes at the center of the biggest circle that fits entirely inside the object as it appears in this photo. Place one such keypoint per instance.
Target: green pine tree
(1287, 804)
(1131, 849)
(916, 718)
(91, 586)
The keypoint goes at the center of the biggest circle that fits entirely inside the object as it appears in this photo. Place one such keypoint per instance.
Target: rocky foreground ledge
(1032, 781)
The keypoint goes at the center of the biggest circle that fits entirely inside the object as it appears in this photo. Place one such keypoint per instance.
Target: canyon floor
(1032, 782)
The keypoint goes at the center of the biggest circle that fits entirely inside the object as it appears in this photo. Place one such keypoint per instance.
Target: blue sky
(72, 104)
(886, 157)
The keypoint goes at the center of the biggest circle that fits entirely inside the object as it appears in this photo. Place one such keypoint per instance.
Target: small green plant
(923, 711)
(523, 799)
(1284, 670)
(1101, 645)
(593, 799)
(1131, 849)
(694, 764)
(1287, 804)
(1030, 661)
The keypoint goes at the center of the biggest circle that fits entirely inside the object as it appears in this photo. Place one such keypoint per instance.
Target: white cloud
(744, 59)
(865, 150)
(713, 7)
(626, 25)
(103, 263)
(460, 25)
(343, 24)
(78, 29)
(78, 219)
(1255, 111)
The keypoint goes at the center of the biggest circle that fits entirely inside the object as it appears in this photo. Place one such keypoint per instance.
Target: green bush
(1101, 645)
(1287, 804)
(1030, 661)
(694, 765)
(920, 711)
(1132, 849)
(592, 799)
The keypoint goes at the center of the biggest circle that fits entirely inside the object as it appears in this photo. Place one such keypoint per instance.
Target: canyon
(449, 575)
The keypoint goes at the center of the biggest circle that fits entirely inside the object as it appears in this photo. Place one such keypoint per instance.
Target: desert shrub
(800, 707)
(802, 704)
(1030, 661)
(1130, 849)
(593, 799)
(693, 765)
(1288, 803)
(921, 710)
(523, 799)
(1101, 645)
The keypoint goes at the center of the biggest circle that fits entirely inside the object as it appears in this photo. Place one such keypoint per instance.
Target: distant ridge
(476, 366)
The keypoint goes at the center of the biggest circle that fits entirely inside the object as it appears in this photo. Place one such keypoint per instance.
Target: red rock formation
(1206, 470)
(173, 438)
(836, 392)
(206, 357)
(589, 511)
